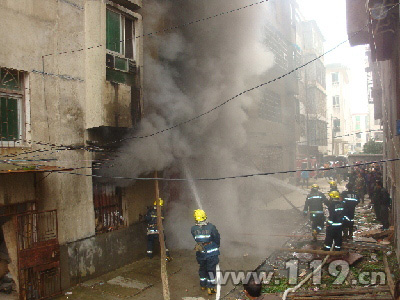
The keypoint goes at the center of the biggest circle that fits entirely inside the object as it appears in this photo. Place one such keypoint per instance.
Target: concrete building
(338, 110)
(359, 128)
(70, 84)
(273, 134)
(383, 38)
(312, 94)
(374, 128)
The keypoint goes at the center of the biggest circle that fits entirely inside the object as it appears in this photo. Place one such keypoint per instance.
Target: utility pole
(160, 228)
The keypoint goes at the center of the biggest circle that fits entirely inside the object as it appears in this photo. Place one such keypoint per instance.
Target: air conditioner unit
(117, 63)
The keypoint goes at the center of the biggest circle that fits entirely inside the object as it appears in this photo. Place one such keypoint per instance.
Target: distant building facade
(312, 94)
(338, 110)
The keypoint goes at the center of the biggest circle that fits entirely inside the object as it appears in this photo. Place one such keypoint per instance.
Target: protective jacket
(350, 201)
(208, 238)
(314, 202)
(336, 213)
(151, 219)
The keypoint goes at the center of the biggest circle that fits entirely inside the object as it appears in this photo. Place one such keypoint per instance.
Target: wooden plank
(388, 275)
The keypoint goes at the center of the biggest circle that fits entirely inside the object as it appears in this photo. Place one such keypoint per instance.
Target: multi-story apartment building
(312, 94)
(70, 88)
(272, 130)
(338, 110)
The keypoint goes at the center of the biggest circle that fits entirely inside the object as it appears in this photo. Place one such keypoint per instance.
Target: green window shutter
(9, 127)
(113, 29)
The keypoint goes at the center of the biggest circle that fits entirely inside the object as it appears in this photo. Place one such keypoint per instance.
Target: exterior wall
(272, 136)
(71, 97)
(17, 188)
(358, 140)
(384, 65)
(86, 259)
(338, 138)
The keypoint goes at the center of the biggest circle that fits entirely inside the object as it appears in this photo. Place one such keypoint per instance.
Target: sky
(331, 18)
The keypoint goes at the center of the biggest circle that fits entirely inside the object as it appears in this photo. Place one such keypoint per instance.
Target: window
(358, 145)
(335, 78)
(358, 135)
(120, 37)
(335, 101)
(107, 200)
(358, 123)
(12, 95)
(271, 107)
(336, 125)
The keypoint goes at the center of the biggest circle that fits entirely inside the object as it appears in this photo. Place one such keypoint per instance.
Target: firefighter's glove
(199, 247)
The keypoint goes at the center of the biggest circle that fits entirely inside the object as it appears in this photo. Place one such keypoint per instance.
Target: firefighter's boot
(211, 291)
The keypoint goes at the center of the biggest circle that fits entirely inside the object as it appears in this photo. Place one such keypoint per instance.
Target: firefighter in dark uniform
(350, 200)
(207, 250)
(314, 206)
(152, 230)
(333, 186)
(334, 226)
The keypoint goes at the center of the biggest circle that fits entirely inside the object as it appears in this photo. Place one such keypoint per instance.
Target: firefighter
(334, 226)
(152, 230)
(313, 205)
(333, 186)
(207, 250)
(350, 201)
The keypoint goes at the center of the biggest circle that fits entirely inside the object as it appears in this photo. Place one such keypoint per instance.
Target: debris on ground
(359, 272)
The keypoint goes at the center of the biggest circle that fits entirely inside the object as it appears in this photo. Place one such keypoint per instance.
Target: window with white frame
(335, 78)
(335, 101)
(120, 36)
(12, 106)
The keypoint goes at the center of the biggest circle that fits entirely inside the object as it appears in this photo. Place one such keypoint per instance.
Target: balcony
(129, 4)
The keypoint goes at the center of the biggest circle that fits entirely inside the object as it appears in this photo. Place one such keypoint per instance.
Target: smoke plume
(188, 71)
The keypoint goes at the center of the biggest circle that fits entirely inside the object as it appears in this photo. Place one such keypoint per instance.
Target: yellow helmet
(199, 215)
(161, 202)
(333, 183)
(334, 195)
(315, 186)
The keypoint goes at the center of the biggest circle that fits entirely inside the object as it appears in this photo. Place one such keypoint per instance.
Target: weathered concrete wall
(58, 103)
(137, 198)
(16, 188)
(83, 260)
(109, 106)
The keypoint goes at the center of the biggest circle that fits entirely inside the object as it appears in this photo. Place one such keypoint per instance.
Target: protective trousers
(151, 239)
(317, 221)
(348, 228)
(208, 271)
(333, 234)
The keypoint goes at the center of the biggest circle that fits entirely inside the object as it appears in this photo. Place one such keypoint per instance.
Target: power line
(166, 29)
(226, 101)
(216, 178)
